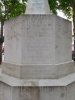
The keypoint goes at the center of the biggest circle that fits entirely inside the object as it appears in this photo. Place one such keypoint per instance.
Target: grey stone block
(35, 45)
(37, 93)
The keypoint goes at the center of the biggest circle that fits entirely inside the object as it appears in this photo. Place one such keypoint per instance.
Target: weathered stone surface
(38, 71)
(37, 49)
(53, 93)
(37, 39)
(37, 7)
(32, 41)
(63, 41)
(37, 93)
(18, 93)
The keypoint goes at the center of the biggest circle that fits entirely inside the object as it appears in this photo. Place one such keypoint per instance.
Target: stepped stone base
(35, 68)
(37, 93)
(38, 71)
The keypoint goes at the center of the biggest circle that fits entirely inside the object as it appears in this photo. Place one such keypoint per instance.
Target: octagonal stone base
(38, 46)
(37, 40)
(38, 71)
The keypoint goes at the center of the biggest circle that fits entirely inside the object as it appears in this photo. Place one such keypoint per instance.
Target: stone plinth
(37, 39)
(38, 58)
(37, 89)
(37, 93)
(38, 46)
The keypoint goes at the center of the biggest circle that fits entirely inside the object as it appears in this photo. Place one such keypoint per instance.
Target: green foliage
(65, 5)
(53, 6)
(11, 8)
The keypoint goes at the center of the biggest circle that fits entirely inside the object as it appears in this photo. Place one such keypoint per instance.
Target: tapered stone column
(37, 7)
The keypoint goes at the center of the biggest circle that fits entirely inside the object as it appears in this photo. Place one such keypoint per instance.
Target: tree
(68, 7)
(9, 9)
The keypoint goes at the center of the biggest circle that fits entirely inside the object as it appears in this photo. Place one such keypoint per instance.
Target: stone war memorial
(38, 57)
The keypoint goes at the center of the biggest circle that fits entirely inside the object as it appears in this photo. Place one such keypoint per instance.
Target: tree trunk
(74, 30)
(1, 40)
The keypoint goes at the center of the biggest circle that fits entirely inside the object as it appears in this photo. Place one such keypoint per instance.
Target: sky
(61, 14)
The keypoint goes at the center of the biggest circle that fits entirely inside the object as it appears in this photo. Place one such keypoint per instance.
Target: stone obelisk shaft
(37, 7)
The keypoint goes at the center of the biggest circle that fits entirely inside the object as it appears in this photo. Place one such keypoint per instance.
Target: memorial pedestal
(38, 57)
(58, 89)
(38, 46)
